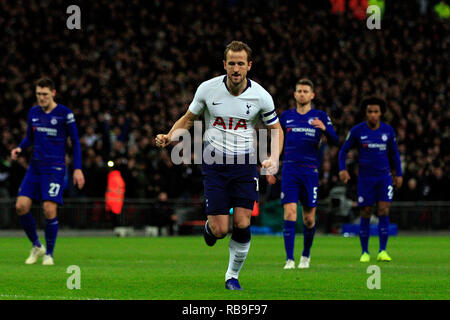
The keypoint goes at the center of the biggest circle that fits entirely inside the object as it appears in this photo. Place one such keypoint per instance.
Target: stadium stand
(133, 68)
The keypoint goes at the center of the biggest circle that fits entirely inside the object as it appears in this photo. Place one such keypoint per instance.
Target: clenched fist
(344, 176)
(162, 140)
(15, 153)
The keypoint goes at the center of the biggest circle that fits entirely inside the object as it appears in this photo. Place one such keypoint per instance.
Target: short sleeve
(198, 104)
(268, 114)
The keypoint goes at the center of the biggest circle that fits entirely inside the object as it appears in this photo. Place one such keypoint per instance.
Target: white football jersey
(230, 120)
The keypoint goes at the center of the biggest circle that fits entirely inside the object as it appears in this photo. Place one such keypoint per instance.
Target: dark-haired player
(49, 125)
(376, 143)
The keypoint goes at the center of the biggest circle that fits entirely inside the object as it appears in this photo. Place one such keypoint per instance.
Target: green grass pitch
(175, 268)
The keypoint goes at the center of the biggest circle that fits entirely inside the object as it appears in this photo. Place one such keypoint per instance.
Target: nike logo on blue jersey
(363, 137)
(289, 121)
(34, 119)
(216, 103)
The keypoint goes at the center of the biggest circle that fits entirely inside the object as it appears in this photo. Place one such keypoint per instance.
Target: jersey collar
(249, 83)
(42, 110)
(367, 126)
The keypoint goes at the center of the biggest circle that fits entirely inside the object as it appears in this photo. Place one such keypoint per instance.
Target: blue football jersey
(375, 148)
(302, 139)
(48, 133)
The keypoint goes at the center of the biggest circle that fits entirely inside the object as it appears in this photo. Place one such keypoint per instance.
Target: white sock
(238, 254)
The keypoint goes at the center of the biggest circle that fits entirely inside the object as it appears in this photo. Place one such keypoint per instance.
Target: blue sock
(308, 237)
(364, 233)
(383, 231)
(29, 226)
(289, 238)
(51, 230)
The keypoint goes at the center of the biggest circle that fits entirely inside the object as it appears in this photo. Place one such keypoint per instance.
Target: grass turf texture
(172, 268)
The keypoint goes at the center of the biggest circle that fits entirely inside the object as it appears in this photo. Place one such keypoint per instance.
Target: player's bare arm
(276, 147)
(185, 122)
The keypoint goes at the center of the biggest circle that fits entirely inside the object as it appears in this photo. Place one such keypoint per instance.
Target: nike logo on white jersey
(363, 137)
(289, 121)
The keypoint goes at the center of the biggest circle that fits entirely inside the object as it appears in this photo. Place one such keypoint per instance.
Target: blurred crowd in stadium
(132, 70)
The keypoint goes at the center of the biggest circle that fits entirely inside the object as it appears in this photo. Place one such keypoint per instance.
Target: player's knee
(366, 212)
(383, 211)
(309, 221)
(21, 208)
(50, 214)
(290, 214)
(241, 224)
(49, 210)
(365, 215)
(220, 231)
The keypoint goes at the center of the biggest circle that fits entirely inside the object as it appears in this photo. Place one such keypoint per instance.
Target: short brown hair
(305, 82)
(238, 46)
(45, 83)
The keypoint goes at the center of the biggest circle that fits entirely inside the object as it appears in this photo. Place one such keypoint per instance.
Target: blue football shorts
(296, 187)
(373, 189)
(43, 184)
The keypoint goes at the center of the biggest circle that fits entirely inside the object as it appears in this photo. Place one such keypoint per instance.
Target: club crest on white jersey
(230, 120)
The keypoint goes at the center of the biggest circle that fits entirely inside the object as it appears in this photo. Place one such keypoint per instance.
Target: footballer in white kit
(230, 120)
(231, 105)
